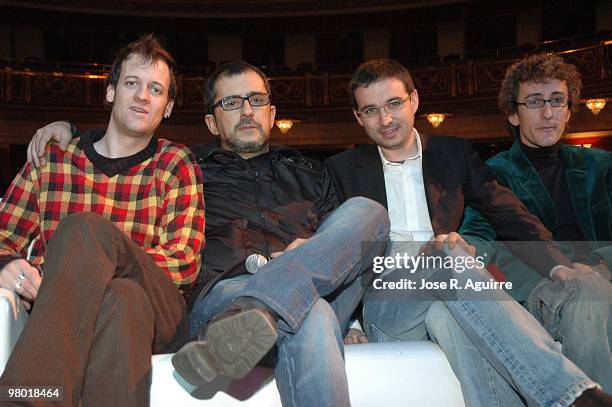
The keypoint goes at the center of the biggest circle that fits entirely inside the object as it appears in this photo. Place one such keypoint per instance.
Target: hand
(21, 277)
(563, 273)
(452, 239)
(354, 336)
(584, 268)
(58, 131)
(293, 245)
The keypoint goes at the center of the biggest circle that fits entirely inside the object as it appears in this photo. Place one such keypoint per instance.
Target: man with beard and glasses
(272, 203)
(569, 188)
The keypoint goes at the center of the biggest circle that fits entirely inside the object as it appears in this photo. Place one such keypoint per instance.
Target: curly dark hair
(229, 69)
(151, 51)
(537, 68)
(377, 70)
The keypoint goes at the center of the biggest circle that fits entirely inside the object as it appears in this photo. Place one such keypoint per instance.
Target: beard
(239, 146)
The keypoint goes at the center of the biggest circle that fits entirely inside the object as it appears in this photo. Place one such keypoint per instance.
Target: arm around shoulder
(61, 131)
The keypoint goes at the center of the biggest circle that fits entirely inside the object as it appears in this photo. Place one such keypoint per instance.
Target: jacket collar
(205, 152)
(528, 183)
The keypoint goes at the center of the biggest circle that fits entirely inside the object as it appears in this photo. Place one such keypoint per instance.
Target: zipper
(261, 213)
(220, 276)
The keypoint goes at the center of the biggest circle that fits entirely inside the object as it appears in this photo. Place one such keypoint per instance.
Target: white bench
(381, 374)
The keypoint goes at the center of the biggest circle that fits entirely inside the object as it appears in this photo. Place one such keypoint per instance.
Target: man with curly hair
(569, 189)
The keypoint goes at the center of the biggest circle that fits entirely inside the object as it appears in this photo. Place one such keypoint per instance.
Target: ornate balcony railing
(441, 85)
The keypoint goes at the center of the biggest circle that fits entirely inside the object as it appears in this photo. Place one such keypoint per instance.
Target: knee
(81, 218)
(368, 211)
(592, 287)
(575, 310)
(81, 222)
(88, 233)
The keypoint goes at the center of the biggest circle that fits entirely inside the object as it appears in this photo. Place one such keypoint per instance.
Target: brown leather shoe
(230, 345)
(594, 398)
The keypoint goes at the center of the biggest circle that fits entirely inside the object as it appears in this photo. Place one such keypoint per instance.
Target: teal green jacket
(589, 175)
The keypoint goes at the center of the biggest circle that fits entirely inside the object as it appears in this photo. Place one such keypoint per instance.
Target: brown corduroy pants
(104, 307)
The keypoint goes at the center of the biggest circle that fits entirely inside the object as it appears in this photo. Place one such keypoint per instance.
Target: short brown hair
(377, 70)
(151, 51)
(539, 69)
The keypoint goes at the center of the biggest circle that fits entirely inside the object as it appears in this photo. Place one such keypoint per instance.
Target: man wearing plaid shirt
(118, 221)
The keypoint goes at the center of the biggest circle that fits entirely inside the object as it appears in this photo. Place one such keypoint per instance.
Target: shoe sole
(231, 347)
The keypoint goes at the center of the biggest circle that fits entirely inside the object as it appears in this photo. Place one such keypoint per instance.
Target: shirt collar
(386, 163)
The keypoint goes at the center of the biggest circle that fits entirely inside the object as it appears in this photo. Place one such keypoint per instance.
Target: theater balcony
(54, 58)
(32, 94)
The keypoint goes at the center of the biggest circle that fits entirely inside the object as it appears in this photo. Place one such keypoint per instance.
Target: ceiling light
(595, 105)
(435, 119)
(284, 125)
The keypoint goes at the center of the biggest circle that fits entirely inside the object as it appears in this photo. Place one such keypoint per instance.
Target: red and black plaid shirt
(157, 202)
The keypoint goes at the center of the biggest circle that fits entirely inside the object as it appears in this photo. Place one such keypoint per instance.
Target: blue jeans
(495, 347)
(576, 313)
(314, 289)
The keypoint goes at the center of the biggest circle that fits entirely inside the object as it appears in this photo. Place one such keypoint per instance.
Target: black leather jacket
(256, 207)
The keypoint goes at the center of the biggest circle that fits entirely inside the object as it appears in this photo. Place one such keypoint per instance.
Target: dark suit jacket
(454, 176)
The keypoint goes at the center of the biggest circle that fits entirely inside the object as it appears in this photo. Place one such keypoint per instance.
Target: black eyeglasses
(236, 102)
(536, 103)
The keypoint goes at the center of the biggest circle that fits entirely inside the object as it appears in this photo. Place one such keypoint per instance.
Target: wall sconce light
(284, 125)
(595, 105)
(435, 119)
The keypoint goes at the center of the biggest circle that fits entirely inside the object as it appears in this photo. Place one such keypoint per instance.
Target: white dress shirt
(406, 199)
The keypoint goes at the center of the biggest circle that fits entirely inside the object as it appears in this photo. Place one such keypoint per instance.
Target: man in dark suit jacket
(425, 183)
(453, 174)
